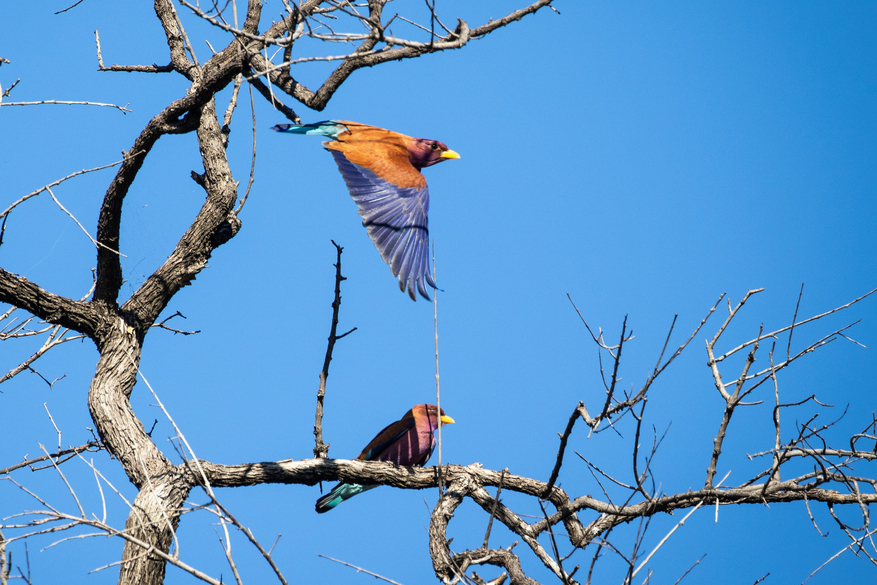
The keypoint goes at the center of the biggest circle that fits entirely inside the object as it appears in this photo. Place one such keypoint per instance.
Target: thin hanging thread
(438, 398)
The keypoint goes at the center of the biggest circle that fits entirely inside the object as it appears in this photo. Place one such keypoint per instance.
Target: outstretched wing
(396, 220)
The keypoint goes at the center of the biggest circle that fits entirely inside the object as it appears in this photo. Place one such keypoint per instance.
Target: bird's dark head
(433, 412)
(424, 153)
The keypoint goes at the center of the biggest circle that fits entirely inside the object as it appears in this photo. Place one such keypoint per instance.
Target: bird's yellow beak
(450, 154)
(446, 420)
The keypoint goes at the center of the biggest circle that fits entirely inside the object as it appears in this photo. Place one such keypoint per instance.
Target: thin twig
(617, 356)
(794, 317)
(70, 7)
(493, 510)
(57, 430)
(666, 538)
(554, 548)
(249, 534)
(179, 433)
(67, 483)
(124, 109)
(231, 563)
(672, 530)
(58, 182)
(85, 231)
(438, 396)
(253, 158)
(578, 412)
(52, 341)
(232, 103)
(90, 446)
(784, 329)
(361, 570)
(696, 563)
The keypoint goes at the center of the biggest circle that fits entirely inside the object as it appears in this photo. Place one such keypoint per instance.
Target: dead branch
(321, 449)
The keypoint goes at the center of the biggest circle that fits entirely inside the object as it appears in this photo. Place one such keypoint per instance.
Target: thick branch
(579, 412)
(76, 315)
(167, 15)
(214, 225)
(109, 268)
(183, 115)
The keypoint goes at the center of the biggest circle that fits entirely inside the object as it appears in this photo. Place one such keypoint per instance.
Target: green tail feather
(341, 492)
(328, 128)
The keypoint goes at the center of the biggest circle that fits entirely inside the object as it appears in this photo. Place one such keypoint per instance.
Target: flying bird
(382, 172)
(408, 442)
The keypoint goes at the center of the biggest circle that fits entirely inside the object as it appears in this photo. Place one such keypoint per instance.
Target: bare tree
(264, 59)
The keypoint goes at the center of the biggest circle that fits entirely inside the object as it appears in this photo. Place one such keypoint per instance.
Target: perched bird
(382, 172)
(409, 442)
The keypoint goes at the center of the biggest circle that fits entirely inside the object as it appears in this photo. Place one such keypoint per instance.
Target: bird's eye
(433, 146)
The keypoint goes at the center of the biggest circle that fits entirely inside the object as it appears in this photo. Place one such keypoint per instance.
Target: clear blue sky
(642, 157)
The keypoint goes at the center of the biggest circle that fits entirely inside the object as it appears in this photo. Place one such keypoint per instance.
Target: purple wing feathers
(399, 443)
(396, 220)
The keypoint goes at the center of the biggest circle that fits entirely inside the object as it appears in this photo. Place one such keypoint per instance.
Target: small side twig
(161, 325)
(8, 90)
